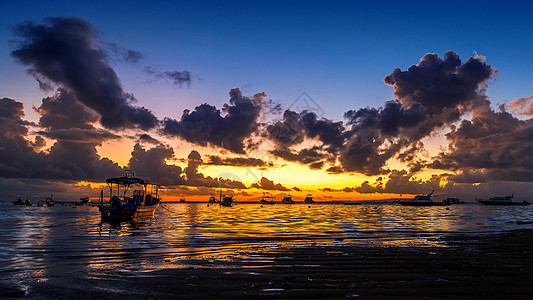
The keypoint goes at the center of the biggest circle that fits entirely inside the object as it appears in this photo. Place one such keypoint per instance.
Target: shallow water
(66, 243)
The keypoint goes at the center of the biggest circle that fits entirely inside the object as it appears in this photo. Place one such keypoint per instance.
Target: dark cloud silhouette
(194, 178)
(401, 182)
(146, 138)
(228, 129)
(431, 94)
(177, 78)
(151, 164)
(493, 145)
(63, 51)
(267, 184)
(235, 161)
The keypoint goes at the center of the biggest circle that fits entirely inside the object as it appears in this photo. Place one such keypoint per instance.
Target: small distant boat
(452, 201)
(309, 199)
(421, 200)
(224, 200)
(142, 202)
(227, 201)
(83, 200)
(182, 200)
(267, 200)
(21, 202)
(506, 200)
(49, 200)
(287, 200)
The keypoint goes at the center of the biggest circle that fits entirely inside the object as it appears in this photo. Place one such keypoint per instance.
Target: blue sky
(337, 51)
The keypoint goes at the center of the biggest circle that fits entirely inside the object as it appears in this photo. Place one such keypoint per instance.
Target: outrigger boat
(421, 200)
(267, 200)
(142, 202)
(506, 200)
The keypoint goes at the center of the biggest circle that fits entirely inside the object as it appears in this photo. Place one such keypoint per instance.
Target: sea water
(70, 242)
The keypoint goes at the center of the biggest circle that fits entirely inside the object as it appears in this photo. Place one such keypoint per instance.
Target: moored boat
(267, 200)
(505, 200)
(21, 202)
(452, 201)
(287, 200)
(420, 200)
(309, 199)
(122, 206)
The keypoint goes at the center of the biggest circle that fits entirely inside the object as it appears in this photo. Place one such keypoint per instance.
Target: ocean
(71, 244)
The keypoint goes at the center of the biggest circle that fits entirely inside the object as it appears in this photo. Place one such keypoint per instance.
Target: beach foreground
(472, 266)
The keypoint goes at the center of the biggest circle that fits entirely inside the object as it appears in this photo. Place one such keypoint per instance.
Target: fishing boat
(420, 200)
(506, 200)
(267, 200)
(129, 198)
(309, 199)
(49, 200)
(287, 200)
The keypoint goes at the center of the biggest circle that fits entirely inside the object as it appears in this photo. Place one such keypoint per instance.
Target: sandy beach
(497, 266)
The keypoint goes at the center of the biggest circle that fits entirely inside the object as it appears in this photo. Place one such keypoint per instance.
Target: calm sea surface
(62, 242)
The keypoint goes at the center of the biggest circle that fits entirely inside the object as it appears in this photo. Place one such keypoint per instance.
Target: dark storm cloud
(267, 184)
(228, 129)
(63, 51)
(235, 161)
(62, 111)
(434, 93)
(194, 178)
(146, 138)
(493, 145)
(439, 83)
(177, 78)
(304, 156)
(72, 158)
(296, 126)
(151, 164)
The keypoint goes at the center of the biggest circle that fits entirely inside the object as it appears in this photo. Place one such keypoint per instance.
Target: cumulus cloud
(152, 164)
(63, 51)
(227, 128)
(522, 106)
(195, 178)
(267, 184)
(493, 145)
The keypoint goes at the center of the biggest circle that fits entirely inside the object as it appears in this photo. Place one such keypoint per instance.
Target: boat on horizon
(420, 200)
(21, 202)
(287, 200)
(142, 202)
(309, 199)
(452, 201)
(267, 200)
(505, 200)
(224, 200)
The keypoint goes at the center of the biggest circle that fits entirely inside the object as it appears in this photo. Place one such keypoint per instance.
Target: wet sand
(496, 266)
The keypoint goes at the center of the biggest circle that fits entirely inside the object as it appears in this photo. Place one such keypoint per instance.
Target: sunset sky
(348, 101)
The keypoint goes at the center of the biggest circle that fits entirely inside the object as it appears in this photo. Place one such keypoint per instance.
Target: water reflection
(57, 242)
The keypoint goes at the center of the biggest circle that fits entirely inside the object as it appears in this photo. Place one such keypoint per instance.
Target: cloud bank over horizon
(89, 107)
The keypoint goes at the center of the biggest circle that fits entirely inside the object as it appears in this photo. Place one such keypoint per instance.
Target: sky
(345, 100)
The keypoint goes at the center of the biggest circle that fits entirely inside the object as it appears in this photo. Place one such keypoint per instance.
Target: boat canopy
(128, 178)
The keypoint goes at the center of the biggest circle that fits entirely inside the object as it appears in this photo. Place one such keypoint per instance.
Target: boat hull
(486, 202)
(127, 215)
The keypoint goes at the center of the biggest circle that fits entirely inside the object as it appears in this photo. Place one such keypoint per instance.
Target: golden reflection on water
(49, 242)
